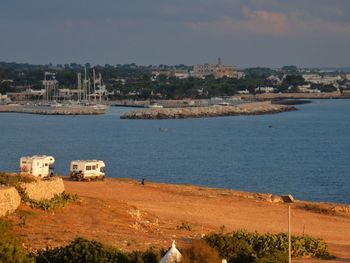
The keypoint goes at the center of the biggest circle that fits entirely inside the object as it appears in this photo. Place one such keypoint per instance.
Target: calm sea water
(305, 153)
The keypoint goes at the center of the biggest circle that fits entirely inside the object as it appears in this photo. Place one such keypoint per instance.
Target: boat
(155, 106)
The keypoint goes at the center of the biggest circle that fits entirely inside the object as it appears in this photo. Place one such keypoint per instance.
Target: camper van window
(46, 164)
(24, 162)
(88, 168)
(96, 165)
(93, 167)
(75, 166)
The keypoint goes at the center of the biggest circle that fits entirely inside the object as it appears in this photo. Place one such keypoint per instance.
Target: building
(175, 73)
(265, 90)
(217, 70)
(323, 80)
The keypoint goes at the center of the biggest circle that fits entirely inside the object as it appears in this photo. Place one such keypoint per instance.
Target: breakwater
(60, 110)
(210, 111)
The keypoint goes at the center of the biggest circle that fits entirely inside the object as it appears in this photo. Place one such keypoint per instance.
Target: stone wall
(44, 189)
(9, 200)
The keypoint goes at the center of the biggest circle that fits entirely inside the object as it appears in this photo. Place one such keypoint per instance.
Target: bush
(83, 250)
(14, 179)
(231, 248)
(254, 247)
(58, 201)
(200, 252)
(10, 247)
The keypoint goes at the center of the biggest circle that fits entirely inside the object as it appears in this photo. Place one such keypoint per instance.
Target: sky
(244, 33)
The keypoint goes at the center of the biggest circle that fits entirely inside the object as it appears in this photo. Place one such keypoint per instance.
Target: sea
(305, 153)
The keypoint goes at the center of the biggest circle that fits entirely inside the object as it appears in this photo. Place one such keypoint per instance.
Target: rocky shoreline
(257, 108)
(61, 110)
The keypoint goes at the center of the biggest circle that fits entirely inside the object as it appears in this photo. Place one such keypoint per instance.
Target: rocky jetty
(60, 110)
(210, 111)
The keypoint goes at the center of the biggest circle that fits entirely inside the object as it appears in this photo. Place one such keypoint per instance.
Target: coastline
(61, 110)
(124, 213)
(255, 108)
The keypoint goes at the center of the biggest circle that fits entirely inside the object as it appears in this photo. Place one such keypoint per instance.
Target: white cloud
(264, 22)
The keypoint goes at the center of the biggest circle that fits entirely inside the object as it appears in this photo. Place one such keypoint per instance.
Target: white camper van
(37, 165)
(87, 169)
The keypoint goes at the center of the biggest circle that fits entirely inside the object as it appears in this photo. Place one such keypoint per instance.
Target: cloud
(269, 23)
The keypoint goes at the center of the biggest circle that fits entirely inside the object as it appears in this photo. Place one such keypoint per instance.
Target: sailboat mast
(93, 70)
(100, 82)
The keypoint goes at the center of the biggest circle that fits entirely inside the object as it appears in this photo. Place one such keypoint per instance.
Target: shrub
(83, 250)
(200, 252)
(231, 248)
(58, 201)
(14, 179)
(10, 246)
(254, 247)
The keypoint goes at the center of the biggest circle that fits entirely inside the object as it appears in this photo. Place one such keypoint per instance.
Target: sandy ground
(132, 216)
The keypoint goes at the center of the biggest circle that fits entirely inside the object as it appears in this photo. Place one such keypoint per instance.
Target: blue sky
(309, 33)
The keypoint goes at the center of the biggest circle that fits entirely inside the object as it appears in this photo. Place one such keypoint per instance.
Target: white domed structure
(172, 256)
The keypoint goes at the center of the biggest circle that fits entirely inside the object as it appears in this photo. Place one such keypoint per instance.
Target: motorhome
(87, 169)
(37, 165)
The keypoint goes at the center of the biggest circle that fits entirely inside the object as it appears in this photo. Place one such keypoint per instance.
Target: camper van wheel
(102, 178)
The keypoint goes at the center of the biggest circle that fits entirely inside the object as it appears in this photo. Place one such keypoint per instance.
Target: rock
(44, 189)
(200, 112)
(276, 199)
(9, 200)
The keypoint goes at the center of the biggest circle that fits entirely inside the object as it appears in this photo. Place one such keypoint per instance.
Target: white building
(323, 80)
(172, 256)
(265, 89)
(243, 91)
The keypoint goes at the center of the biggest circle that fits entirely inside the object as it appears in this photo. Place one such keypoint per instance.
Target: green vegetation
(131, 81)
(58, 201)
(11, 250)
(83, 250)
(236, 247)
(242, 246)
(14, 179)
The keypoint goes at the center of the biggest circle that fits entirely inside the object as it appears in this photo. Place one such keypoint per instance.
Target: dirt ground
(132, 216)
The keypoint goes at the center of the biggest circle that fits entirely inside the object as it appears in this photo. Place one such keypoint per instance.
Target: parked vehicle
(37, 165)
(87, 170)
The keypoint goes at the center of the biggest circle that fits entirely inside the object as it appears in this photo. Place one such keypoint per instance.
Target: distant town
(25, 82)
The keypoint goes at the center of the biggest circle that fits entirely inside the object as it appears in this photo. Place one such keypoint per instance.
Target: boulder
(9, 200)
